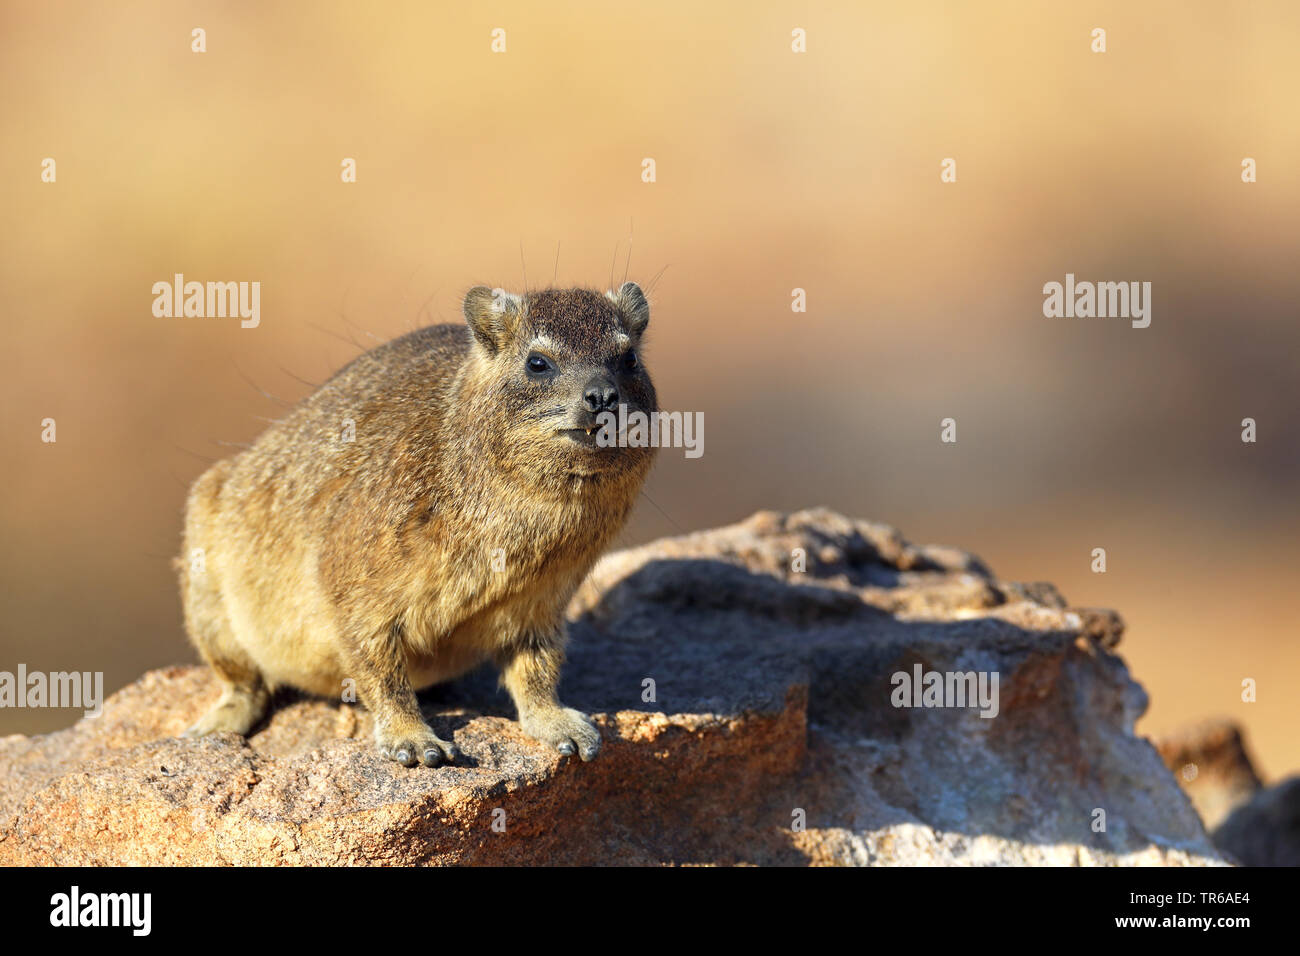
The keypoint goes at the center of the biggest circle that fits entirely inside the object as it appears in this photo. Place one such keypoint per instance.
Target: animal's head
(555, 360)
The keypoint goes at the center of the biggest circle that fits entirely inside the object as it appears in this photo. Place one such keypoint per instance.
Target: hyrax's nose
(600, 395)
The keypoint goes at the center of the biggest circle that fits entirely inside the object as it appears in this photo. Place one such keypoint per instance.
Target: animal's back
(357, 414)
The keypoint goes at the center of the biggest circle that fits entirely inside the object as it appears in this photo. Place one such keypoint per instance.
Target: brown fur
(324, 559)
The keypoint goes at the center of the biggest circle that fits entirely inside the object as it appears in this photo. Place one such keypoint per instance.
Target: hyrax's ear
(632, 304)
(492, 315)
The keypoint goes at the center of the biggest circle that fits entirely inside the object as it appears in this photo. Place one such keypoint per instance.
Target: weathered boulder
(1210, 762)
(747, 716)
(1264, 831)
(1252, 824)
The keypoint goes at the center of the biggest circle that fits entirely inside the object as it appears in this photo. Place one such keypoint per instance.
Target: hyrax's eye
(630, 361)
(538, 365)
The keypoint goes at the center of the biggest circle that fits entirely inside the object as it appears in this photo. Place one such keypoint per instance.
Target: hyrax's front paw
(567, 730)
(413, 743)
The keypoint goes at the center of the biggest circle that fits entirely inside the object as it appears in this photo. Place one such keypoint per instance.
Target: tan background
(775, 171)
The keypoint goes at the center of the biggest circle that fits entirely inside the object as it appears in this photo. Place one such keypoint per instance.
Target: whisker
(655, 281)
(342, 338)
(627, 265)
(296, 378)
(425, 305)
(257, 388)
(193, 454)
(548, 413)
(359, 328)
(664, 513)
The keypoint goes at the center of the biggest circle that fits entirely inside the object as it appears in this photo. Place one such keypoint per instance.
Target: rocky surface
(1211, 764)
(1252, 824)
(1265, 831)
(766, 736)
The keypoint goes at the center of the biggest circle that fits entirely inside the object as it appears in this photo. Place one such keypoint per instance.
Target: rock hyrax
(432, 506)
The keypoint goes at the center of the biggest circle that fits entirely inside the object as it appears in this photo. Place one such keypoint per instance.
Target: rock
(770, 737)
(1265, 831)
(1249, 823)
(1209, 760)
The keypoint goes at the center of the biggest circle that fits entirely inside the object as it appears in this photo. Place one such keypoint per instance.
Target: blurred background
(774, 171)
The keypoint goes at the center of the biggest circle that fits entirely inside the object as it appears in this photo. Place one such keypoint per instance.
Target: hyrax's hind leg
(237, 710)
(244, 694)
